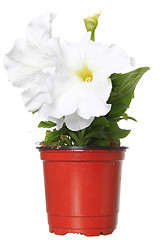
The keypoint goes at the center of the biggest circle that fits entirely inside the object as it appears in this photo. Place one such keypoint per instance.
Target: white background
(134, 26)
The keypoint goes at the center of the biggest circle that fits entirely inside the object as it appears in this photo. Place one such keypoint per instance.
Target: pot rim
(80, 148)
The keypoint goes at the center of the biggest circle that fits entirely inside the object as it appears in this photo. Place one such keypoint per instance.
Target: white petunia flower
(32, 61)
(82, 84)
(66, 83)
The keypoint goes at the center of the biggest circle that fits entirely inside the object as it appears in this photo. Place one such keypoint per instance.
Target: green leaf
(123, 86)
(126, 117)
(74, 136)
(46, 124)
(52, 137)
(100, 121)
(96, 134)
(115, 132)
(123, 117)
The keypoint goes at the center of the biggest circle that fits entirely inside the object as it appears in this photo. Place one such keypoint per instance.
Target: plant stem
(68, 142)
(93, 36)
(81, 136)
(82, 132)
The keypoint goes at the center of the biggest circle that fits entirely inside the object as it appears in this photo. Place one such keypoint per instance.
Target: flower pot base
(82, 190)
(89, 226)
(86, 232)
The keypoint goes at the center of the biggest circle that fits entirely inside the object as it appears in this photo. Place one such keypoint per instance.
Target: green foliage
(123, 86)
(52, 137)
(104, 130)
(58, 138)
(35, 111)
(46, 124)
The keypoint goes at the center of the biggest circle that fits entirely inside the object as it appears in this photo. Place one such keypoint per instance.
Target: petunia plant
(77, 88)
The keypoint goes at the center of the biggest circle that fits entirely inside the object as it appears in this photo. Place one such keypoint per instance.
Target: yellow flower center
(85, 73)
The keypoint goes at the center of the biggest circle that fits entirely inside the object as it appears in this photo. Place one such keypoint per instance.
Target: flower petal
(24, 60)
(102, 85)
(37, 93)
(59, 122)
(40, 28)
(74, 53)
(110, 58)
(90, 104)
(33, 98)
(117, 59)
(75, 123)
(63, 105)
(25, 53)
(33, 68)
(52, 47)
(18, 74)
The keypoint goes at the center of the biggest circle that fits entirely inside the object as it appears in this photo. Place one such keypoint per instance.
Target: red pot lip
(80, 148)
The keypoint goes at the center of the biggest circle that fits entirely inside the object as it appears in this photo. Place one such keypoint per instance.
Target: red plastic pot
(82, 189)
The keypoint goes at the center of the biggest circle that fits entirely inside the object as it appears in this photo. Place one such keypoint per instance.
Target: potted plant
(79, 90)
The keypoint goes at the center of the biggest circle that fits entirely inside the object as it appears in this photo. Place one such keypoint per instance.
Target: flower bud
(91, 22)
